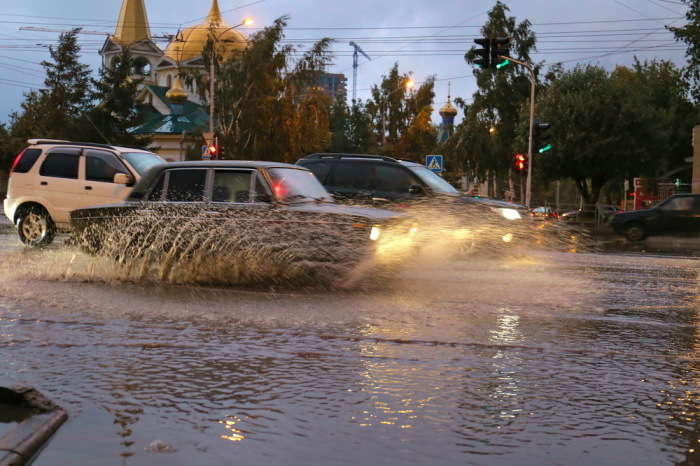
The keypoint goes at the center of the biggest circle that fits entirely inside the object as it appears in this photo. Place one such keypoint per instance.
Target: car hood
(341, 209)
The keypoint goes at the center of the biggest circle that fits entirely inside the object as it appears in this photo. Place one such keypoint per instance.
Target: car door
(676, 215)
(98, 186)
(351, 181)
(392, 183)
(59, 183)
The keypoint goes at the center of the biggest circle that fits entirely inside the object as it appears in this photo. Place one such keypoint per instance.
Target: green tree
(265, 110)
(117, 111)
(602, 130)
(394, 108)
(56, 110)
(480, 152)
(351, 129)
(690, 34)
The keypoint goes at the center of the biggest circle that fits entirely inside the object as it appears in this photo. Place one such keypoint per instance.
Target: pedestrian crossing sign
(434, 163)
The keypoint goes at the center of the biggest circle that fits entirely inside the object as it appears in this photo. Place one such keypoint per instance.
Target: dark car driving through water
(237, 221)
(677, 215)
(445, 214)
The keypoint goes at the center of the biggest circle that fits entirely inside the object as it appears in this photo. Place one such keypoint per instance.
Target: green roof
(194, 118)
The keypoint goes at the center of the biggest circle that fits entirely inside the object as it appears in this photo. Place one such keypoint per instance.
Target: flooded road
(529, 359)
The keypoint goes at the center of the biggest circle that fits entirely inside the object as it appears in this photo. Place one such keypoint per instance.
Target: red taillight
(17, 159)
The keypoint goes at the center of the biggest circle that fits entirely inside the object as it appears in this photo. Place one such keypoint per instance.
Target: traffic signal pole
(528, 183)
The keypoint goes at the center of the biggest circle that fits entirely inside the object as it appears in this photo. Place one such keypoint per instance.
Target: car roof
(62, 142)
(228, 164)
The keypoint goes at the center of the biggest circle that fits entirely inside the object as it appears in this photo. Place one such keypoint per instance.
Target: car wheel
(635, 232)
(35, 227)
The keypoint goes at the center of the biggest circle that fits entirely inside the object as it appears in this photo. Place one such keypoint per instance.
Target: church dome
(448, 111)
(190, 42)
(176, 95)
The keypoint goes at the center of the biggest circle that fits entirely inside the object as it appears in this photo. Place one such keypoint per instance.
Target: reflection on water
(546, 358)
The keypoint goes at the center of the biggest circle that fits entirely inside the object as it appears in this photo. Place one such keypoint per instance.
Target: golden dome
(448, 111)
(190, 42)
(176, 94)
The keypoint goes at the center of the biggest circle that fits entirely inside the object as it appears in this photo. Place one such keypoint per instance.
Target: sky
(425, 38)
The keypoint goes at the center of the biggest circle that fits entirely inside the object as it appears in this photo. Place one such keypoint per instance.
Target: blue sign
(205, 153)
(434, 163)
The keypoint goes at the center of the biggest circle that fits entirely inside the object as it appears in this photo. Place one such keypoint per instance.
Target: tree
(351, 129)
(602, 130)
(56, 111)
(394, 107)
(690, 34)
(265, 110)
(117, 110)
(497, 104)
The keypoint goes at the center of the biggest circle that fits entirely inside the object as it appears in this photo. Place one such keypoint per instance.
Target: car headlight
(510, 214)
(374, 234)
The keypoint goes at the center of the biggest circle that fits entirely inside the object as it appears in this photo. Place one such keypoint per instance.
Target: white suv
(50, 178)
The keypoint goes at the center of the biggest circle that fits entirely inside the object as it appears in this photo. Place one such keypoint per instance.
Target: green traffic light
(502, 64)
(545, 148)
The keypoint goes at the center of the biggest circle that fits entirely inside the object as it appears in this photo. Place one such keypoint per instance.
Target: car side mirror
(416, 189)
(122, 178)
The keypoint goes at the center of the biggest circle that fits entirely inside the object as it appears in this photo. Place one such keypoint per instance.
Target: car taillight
(17, 159)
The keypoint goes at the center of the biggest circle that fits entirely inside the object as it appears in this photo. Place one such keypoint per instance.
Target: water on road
(536, 358)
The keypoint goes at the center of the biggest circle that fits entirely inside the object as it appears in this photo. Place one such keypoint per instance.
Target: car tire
(635, 232)
(35, 227)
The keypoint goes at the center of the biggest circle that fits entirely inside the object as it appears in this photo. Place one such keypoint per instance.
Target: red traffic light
(212, 149)
(521, 162)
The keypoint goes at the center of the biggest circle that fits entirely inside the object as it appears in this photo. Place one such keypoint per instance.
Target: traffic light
(483, 54)
(500, 47)
(521, 163)
(213, 151)
(540, 136)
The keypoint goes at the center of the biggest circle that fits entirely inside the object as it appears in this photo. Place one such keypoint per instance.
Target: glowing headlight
(510, 214)
(374, 234)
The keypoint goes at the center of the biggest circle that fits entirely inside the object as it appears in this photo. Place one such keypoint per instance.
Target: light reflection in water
(505, 361)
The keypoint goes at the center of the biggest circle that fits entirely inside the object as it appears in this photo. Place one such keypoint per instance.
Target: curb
(19, 446)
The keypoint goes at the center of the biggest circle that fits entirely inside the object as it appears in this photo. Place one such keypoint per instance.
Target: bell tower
(133, 32)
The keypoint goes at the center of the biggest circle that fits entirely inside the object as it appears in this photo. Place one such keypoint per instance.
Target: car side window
(102, 165)
(231, 186)
(185, 185)
(393, 179)
(352, 175)
(26, 162)
(61, 163)
(679, 203)
(320, 169)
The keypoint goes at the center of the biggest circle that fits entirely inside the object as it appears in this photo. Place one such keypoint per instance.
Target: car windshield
(294, 185)
(142, 161)
(434, 181)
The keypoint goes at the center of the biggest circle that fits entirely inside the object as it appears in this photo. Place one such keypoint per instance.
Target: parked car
(679, 214)
(240, 212)
(444, 212)
(50, 178)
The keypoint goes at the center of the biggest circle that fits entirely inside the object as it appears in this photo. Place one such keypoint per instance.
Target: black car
(677, 215)
(381, 181)
(238, 221)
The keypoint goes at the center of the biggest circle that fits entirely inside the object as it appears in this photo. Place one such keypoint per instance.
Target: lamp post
(212, 77)
(409, 84)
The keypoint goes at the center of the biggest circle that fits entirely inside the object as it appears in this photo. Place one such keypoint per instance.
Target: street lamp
(212, 77)
(409, 84)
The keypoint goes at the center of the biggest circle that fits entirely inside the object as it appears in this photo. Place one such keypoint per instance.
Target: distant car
(238, 213)
(381, 181)
(543, 213)
(591, 214)
(677, 215)
(50, 178)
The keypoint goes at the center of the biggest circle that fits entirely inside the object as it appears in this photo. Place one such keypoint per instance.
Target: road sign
(434, 163)
(205, 152)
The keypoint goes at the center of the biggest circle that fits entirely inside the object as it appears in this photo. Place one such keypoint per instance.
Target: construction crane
(354, 67)
(167, 37)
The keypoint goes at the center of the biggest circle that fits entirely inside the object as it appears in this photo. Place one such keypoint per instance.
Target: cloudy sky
(424, 37)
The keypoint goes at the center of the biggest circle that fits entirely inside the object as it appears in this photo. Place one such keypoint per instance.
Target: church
(175, 116)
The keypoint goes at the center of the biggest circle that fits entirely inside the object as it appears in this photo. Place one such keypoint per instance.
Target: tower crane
(354, 67)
